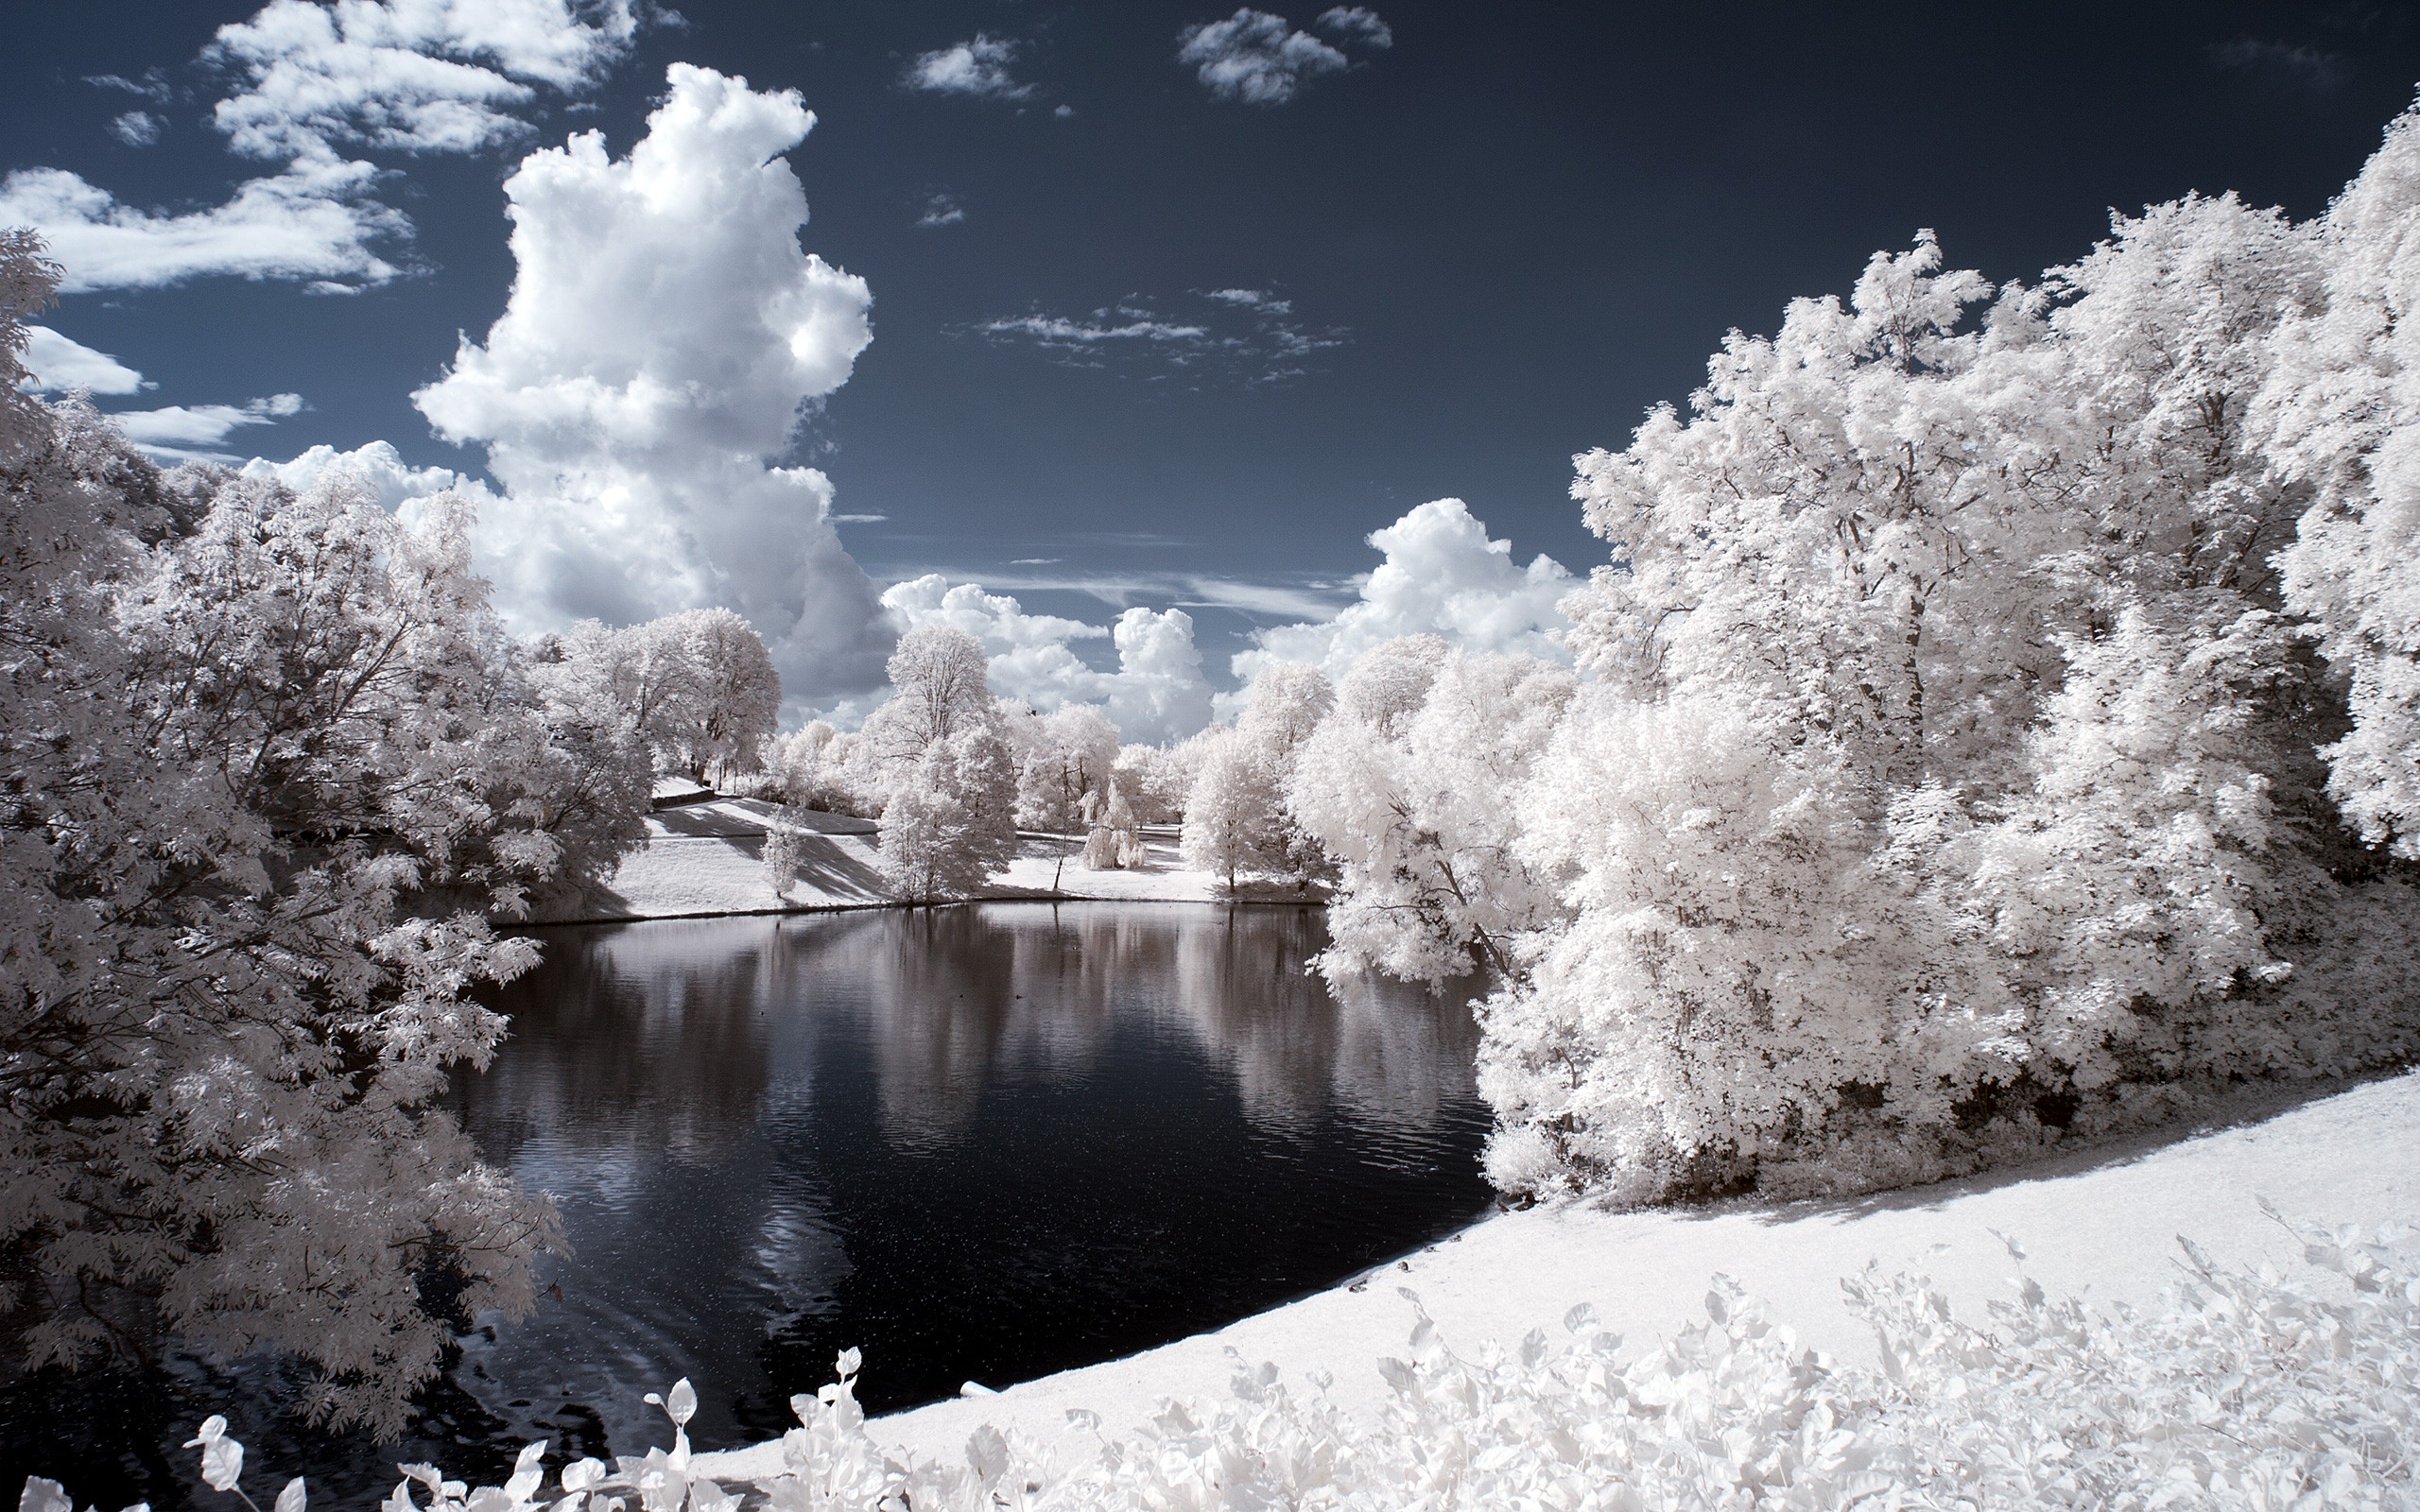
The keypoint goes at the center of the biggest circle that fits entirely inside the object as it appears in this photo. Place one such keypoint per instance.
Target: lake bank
(704, 859)
(2102, 1224)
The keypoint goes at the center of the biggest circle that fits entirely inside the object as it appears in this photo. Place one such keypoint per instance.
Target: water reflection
(984, 1143)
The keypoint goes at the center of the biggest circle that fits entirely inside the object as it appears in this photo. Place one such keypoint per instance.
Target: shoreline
(702, 860)
(2101, 1223)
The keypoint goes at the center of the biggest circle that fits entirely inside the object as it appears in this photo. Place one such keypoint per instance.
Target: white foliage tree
(947, 776)
(2341, 413)
(265, 782)
(1412, 787)
(1236, 821)
(1945, 778)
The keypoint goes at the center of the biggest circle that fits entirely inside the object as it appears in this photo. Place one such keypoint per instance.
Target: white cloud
(396, 483)
(1254, 56)
(1243, 333)
(1360, 22)
(55, 363)
(1063, 112)
(302, 223)
(1156, 693)
(1185, 589)
(183, 433)
(940, 210)
(978, 68)
(154, 85)
(136, 128)
(416, 75)
(636, 452)
(1441, 575)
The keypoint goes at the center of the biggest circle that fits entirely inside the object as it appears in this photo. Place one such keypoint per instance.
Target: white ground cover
(2103, 1226)
(704, 859)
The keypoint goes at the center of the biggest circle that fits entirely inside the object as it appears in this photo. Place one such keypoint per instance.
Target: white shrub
(2244, 1390)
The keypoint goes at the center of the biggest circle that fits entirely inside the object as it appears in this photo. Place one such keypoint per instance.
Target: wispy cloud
(55, 364)
(940, 210)
(2311, 67)
(1240, 334)
(1285, 600)
(306, 85)
(978, 68)
(1255, 56)
(154, 85)
(183, 433)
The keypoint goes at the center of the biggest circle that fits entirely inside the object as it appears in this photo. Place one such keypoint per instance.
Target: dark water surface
(981, 1144)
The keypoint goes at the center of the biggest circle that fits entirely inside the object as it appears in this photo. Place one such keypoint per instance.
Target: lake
(980, 1143)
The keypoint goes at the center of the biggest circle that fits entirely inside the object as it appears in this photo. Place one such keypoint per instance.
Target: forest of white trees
(1998, 719)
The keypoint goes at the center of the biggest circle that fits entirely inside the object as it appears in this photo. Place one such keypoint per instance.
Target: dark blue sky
(1518, 226)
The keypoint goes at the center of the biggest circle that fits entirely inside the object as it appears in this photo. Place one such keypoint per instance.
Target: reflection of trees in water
(961, 996)
(655, 1038)
(966, 996)
(1377, 1050)
(1401, 1052)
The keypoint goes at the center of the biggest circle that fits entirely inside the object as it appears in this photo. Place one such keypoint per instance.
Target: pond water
(980, 1143)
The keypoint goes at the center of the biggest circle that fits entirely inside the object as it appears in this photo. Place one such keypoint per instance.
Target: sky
(1113, 334)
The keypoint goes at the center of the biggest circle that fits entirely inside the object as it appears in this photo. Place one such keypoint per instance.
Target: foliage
(1411, 785)
(268, 768)
(1236, 820)
(2244, 1389)
(698, 687)
(1995, 722)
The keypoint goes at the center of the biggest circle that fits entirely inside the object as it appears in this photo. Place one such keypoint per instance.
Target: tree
(2341, 414)
(262, 783)
(1070, 755)
(1412, 787)
(782, 857)
(950, 820)
(1944, 776)
(1114, 841)
(1230, 814)
(937, 677)
(947, 780)
(697, 686)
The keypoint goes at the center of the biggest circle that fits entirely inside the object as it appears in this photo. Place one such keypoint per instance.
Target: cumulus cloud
(55, 364)
(415, 76)
(1254, 56)
(1358, 23)
(1157, 692)
(136, 128)
(181, 432)
(1239, 334)
(379, 467)
(306, 223)
(977, 68)
(636, 454)
(1441, 575)
(940, 210)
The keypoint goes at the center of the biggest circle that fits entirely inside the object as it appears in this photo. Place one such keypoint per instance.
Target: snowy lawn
(2101, 1226)
(706, 859)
